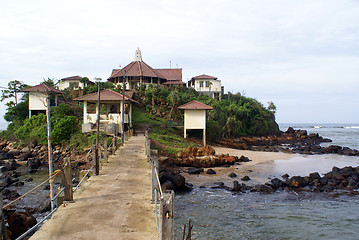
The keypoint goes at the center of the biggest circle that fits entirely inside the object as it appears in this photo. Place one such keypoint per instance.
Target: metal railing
(165, 226)
(66, 181)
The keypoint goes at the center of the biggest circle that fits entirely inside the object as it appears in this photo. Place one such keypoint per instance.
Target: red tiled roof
(204, 76)
(195, 105)
(105, 95)
(42, 88)
(174, 83)
(171, 74)
(72, 78)
(135, 69)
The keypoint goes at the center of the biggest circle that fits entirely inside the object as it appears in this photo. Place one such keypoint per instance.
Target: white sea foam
(356, 127)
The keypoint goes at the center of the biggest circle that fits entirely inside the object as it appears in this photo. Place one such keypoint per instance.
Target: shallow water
(220, 214)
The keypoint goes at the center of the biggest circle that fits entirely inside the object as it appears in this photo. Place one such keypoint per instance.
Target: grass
(140, 117)
(171, 139)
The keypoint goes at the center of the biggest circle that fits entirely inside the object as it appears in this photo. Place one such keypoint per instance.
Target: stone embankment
(291, 141)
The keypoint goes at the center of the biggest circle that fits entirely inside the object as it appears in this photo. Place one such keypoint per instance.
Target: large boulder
(19, 222)
(296, 181)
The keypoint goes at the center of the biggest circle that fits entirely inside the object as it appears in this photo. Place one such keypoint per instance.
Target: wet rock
(12, 165)
(314, 175)
(290, 130)
(276, 183)
(28, 179)
(236, 187)
(167, 185)
(25, 156)
(232, 175)
(218, 185)
(245, 178)
(264, 188)
(210, 171)
(10, 194)
(296, 181)
(244, 159)
(19, 222)
(194, 170)
(285, 176)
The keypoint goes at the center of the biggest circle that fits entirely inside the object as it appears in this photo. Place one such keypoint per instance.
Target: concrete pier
(113, 205)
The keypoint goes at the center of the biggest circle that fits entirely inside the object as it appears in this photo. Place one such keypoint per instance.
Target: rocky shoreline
(291, 141)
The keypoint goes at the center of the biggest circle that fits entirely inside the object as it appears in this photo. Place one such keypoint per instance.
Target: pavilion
(110, 122)
(138, 72)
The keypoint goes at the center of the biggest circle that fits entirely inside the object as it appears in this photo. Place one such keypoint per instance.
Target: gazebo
(111, 121)
(195, 117)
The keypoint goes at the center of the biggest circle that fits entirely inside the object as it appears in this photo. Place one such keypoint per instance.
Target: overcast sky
(302, 55)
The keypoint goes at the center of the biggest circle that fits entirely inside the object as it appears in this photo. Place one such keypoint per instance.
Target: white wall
(37, 101)
(215, 87)
(195, 119)
(65, 84)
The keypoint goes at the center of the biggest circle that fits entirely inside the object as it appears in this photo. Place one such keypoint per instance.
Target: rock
(12, 165)
(232, 175)
(314, 175)
(45, 206)
(276, 183)
(28, 179)
(290, 130)
(167, 185)
(24, 156)
(210, 171)
(285, 176)
(236, 187)
(244, 159)
(245, 178)
(295, 181)
(19, 222)
(219, 185)
(194, 170)
(10, 194)
(264, 188)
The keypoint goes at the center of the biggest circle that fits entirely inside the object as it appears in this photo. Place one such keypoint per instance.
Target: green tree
(11, 92)
(271, 107)
(49, 81)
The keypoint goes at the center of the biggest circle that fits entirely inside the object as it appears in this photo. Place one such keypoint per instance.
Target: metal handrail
(55, 174)
(78, 185)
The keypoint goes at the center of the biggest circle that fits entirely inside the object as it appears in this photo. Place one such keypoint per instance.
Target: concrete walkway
(114, 205)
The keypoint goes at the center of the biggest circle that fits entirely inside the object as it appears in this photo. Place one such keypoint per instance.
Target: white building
(74, 82)
(38, 98)
(195, 117)
(208, 85)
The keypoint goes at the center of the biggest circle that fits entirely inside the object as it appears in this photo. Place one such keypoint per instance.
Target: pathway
(114, 205)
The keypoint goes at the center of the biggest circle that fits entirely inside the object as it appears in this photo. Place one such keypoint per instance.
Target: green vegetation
(171, 140)
(234, 116)
(141, 117)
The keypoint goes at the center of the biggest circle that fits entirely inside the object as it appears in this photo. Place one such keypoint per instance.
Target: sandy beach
(266, 165)
(257, 169)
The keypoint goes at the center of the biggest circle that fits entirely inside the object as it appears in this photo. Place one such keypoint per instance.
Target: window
(201, 84)
(207, 83)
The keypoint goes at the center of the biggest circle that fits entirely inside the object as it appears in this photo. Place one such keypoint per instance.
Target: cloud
(291, 52)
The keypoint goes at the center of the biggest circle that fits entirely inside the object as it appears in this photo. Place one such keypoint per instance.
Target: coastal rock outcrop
(291, 141)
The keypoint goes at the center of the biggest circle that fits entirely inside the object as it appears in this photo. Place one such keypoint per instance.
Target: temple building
(208, 85)
(139, 72)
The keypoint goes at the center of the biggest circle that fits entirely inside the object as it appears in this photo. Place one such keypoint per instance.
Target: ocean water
(220, 214)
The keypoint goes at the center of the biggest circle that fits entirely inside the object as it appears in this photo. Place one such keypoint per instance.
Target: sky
(302, 55)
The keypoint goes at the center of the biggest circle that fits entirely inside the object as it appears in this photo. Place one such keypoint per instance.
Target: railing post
(114, 147)
(105, 157)
(155, 186)
(167, 215)
(67, 180)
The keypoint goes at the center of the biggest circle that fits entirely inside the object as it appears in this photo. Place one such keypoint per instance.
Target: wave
(356, 127)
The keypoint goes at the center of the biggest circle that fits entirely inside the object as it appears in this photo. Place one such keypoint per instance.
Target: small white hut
(38, 98)
(195, 117)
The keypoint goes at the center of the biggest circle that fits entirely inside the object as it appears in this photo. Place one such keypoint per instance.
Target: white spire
(138, 56)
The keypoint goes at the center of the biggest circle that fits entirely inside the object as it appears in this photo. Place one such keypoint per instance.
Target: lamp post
(123, 108)
(97, 160)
